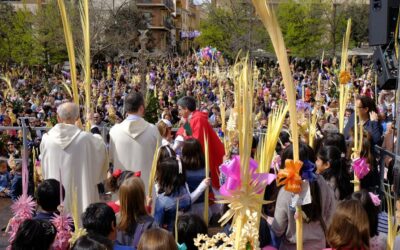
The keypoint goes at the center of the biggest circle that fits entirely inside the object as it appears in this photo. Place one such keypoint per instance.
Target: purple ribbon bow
(308, 171)
(361, 167)
(233, 181)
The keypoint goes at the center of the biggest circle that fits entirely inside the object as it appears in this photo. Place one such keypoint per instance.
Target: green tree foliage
(6, 15)
(49, 34)
(17, 43)
(302, 27)
(152, 107)
(26, 49)
(232, 29)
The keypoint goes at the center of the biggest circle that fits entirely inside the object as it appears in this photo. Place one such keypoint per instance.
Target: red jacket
(200, 126)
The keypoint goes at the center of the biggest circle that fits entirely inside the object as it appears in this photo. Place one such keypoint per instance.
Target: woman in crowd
(133, 219)
(316, 215)
(331, 164)
(350, 227)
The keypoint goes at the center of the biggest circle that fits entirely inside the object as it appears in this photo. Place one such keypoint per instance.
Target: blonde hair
(163, 128)
(350, 227)
(157, 239)
(132, 199)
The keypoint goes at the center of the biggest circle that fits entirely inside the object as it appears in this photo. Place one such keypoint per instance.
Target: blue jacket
(16, 186)
(193, 179)
(373, 127)
(4, 181)
(165, 207)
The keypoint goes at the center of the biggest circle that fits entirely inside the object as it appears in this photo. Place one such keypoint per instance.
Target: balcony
(168, 4)
(178, 12)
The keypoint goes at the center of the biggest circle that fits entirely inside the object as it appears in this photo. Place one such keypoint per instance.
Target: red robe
(200, 126)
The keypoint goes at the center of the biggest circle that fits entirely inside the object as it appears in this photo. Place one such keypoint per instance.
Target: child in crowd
(371, 204)
(350, 227)
(194, 165)
(92, 242)
(165, 127)
(165, 152)
(133, 219)
(48, 198)
(171, 181)
(99, 219)
(16, 182)
(114, 182)
(157, 239)
(371, 181)
(189, 226)
(331, 164)
(4, 178)
(316, 215)
(34, 235)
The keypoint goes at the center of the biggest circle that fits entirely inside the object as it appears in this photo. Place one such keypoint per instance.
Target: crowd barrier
(380, 152)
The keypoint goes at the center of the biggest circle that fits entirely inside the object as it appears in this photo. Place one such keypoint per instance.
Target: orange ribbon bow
(344, 77)
(290, 176)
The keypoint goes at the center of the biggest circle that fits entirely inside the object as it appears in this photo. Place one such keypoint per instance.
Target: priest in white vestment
(134, 141)
(80, 158)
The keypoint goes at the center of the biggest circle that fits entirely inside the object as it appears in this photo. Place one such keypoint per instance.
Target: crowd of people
(107, 171)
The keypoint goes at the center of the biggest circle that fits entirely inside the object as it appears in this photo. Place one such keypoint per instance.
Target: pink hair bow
(375, 199)
(233, 181)
(361, 167)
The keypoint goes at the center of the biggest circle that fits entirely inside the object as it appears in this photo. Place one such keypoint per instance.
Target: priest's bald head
(68, 113)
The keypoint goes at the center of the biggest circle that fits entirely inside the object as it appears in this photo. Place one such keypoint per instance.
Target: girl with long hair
(171, 181)
(331, 164)
(132, 219)
(316, 215)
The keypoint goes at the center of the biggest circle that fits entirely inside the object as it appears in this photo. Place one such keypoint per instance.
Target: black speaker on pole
(385, 64)
(382, 21)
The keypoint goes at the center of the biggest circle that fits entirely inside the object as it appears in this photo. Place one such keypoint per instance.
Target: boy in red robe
(196, 125)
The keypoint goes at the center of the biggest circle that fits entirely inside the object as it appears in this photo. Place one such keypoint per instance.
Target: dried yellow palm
(70, 49)
(85, 56)
(343, 89)
(270, 21)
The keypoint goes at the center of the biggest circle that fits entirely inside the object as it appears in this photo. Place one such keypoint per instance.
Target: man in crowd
(76, 157)
(196, 125)
(133, 142)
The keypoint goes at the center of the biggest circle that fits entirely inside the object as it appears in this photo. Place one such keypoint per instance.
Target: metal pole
(396, 173)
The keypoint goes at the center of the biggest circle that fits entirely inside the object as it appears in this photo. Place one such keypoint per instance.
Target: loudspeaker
(385, 63)
(382, 21)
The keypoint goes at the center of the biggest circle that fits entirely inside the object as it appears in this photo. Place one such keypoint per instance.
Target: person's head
(97, 118)
(132, 202)
(331, 163)
(164, 153)
(68, 113)
(99, 218)
(164, 127)
(349, 228)
(34, 235)
(170, 176)
(327, 157)
(186, 105)
(117, 178)
(335, 139)
(157, 239)
(48, 195)
(189, 225)
(134, 103)
(92, 242)
(364, 197)
(192, 155)
(3, 165)
(10, 146)
(364, 106)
